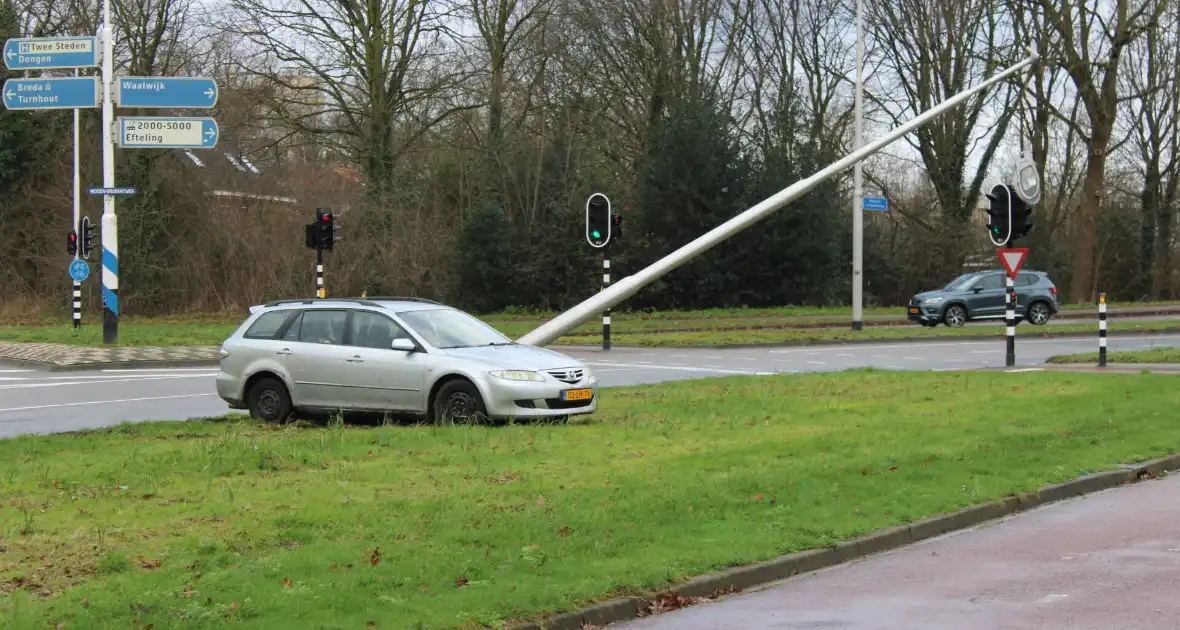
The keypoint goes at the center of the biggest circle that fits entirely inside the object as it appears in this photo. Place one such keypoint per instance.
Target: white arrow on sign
(209, 92)
(11, 94)
(11, 54)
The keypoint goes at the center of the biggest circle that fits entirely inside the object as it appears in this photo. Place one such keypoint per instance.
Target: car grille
(568, 375)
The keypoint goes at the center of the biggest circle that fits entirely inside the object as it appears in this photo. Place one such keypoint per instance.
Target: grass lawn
(225, 523)
(1156, 355)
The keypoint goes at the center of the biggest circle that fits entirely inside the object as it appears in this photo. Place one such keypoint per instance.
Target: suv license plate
(577, 394)
(914, 311)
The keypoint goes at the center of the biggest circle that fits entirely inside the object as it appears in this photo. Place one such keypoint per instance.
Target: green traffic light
(595, 234)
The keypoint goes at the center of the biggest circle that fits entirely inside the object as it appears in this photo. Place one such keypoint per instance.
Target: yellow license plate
(577, 394)
(914, 311)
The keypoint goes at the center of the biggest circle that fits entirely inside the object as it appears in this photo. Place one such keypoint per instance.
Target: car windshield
(448, 328)
(959, 282)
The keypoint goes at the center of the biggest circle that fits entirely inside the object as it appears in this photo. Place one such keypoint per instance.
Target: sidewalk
(67, 357)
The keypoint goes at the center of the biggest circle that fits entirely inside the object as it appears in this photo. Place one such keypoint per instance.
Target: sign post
(1013, 259)
(56, 53)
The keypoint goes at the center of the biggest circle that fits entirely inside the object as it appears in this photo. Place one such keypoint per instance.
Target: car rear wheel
(955, 316)
(269, 401)
(1038, 313)
(458, 402)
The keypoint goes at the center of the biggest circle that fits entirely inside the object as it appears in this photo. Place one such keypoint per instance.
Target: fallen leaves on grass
(286, 582)
(460, 582)
(375, 556)
(565, 531)
(149, 564)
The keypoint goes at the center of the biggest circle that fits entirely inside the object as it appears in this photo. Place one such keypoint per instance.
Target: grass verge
(1156, 355)
(212, 334)
(212, 523)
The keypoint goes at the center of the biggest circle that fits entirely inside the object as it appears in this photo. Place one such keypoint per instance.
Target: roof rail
(361, 301)
(400, 299)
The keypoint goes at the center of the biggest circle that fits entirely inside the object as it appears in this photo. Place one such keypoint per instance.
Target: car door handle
(284, 351)
(355, 359)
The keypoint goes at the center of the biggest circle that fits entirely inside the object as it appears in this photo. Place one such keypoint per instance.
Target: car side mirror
(976, 289)
(404, 345)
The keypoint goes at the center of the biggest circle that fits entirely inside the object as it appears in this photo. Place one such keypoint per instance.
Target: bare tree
(1089, 46)
(367, 76)
(1154, 121)
(934, 50)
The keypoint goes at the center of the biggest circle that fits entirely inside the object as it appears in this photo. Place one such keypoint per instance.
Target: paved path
(1104, 561)
(34, 401)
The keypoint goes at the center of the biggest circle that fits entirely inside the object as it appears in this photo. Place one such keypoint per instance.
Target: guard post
(1101, 330)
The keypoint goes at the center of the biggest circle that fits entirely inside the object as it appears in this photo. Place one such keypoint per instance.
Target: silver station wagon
(395, 355)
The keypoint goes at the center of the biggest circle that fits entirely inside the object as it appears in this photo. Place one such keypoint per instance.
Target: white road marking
(817, 362)
(13, 378)
(101, 402)
(984, 351)
(685, 368)
(14, 371)
(941, 344)
(115, 380)
(1026, 370)
(913, 359)
(148, 370)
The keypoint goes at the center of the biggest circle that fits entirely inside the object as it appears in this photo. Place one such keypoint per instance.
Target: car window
(293, 330)
(267, 325)
(993, 281)
(322, 326)
(960, 282)
(374, 330)
(1026, 279)
(450, 328)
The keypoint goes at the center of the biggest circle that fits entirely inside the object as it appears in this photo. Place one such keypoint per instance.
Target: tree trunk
(1081, 288)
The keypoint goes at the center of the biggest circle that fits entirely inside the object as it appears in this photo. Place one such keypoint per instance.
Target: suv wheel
(269, 401)
(955, 316)
(1038, 313)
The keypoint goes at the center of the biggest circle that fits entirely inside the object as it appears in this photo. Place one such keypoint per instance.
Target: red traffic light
(327, 217)
(73, 237)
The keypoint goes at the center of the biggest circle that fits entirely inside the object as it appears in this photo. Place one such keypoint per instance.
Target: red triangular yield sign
(1012, 258)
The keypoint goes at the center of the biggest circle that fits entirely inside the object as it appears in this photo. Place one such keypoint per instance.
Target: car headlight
(517, 375)
(932, 300)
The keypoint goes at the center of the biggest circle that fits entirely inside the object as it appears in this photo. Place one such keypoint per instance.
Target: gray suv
(980, 295)
(395, 355)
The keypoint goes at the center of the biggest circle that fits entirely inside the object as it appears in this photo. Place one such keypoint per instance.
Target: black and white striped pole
(598, 233)
(319, 273)
(1101, 330)
(1010, 319)
(605, 286)
(77, 305)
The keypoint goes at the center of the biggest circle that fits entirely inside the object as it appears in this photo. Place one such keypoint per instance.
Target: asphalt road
(33, 401)
(1107, 560)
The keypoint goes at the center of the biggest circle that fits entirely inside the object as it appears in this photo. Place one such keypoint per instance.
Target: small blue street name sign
(79, 270)
(880, 204)
(56, 93)
(127, 190)
(166, 133)
(51, 53)
(171, 92)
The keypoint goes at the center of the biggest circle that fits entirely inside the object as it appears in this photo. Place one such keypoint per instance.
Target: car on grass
(402, 356)
(979, 295)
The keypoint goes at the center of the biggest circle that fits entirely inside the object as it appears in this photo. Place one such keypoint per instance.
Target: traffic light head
(325, 229)
(1021, 218)
(86, 236)
(999, 212)
(598, 220)
(72, 246)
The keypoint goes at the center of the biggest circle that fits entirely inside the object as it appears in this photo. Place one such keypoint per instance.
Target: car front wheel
(955, 316)
(458, 402)
(1038, 313)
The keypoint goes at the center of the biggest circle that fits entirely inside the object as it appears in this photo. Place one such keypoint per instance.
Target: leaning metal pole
(630, 285)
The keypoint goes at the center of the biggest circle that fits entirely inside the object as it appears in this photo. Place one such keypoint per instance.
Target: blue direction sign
(51, 53)
(79, 270)
(56, 93)
(171, 92)
(166, 133)
(126, 190)
(879, 204)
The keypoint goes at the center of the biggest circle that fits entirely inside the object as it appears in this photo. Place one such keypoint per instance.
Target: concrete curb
(763, 573)
(869, 342)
